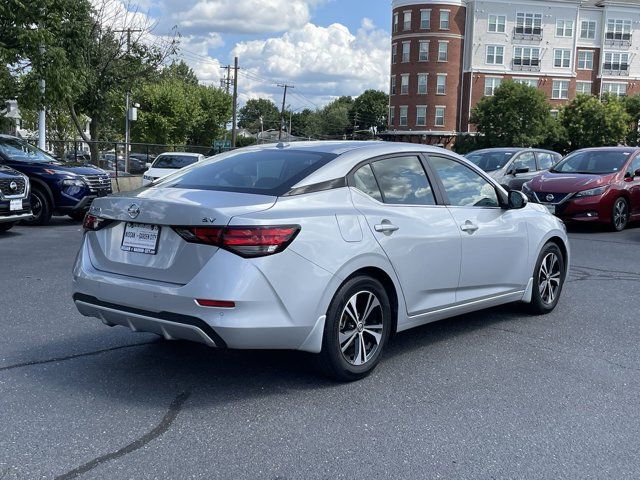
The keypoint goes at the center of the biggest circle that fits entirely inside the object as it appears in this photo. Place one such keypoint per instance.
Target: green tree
(213, 111)
(181, 71)
(249, 115)
(515, 116)
(335, 117)
(371, 109)
(632, 107)
(591, 122)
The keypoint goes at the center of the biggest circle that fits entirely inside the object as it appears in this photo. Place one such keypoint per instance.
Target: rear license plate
(551, 208)
(15, 204)
(141, 238)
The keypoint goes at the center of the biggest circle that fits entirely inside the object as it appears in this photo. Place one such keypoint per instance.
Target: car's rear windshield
(597, 162)
(174, 161)
(266, 172)
(491, 161)
(19, 150)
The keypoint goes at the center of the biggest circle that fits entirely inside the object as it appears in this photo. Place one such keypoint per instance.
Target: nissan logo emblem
(550, 198)
(13, 186)
(133, 210)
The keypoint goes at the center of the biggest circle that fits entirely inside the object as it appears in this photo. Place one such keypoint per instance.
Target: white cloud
(322, 61)
(245, 16)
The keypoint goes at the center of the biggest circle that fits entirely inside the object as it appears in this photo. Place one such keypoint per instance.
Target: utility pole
(355, 124)
(127, 123)
(234, 127)
(42, 115)
(284, 102)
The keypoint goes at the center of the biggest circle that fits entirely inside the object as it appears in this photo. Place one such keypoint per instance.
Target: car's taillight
(248, 242)
(93, 223)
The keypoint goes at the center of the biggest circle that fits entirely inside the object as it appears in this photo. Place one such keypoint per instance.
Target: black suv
(14, 198)
(57, 188)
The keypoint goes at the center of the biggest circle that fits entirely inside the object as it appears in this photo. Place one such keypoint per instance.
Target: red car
(600, 185)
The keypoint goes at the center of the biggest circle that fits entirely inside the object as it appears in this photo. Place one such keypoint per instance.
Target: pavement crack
(158, 430)
(71, 357)
(580, 273)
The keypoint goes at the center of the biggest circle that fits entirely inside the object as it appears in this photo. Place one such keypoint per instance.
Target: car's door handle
(386, 228)
(469, 227)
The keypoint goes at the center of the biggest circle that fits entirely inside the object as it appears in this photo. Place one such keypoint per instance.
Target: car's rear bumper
(264, 316)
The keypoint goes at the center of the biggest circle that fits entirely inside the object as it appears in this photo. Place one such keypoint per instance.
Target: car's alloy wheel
(548, 279)
(356, 330)
(41, 209)
(361, 328)
(620, 214)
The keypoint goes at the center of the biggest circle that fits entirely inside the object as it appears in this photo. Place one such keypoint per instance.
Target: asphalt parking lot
(495, 394)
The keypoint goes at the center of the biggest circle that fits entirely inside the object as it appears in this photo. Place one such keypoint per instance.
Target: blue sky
(326, 48)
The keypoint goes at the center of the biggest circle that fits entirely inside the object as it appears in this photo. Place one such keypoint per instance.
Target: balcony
(617, 39)
(526, 64)
(620, 69)
(527, 33)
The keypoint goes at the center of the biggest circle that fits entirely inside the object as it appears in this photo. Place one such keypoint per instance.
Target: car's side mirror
(522, 170)
(517, 200)
(148, 165)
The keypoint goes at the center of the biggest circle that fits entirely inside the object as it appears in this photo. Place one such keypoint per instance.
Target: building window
(562, 58)
(495, 54)
(530, 82)
(560, 90)
(439, 122)
(404, 114)
(393, 84)
(394, 53)
(422, 83)
(526, 56)
(421, 116)
(529, 23)
(425, 19)
(555, 113)
(406, 52)
(443, 51)
(490, 85)
(615, 88)
(407, 20)
(392, 115)
(404, 84)
(584, 87)
(618, 29)
(588, 30)
(617, 62)
(564, 28)
(444, 19)
(396, 19)
(424, 51)
(441, 84)
(497, 23)
(585, 59)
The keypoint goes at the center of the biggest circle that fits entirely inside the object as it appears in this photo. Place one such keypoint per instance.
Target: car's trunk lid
(175, 261)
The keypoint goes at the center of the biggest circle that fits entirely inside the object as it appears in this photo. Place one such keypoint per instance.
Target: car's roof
(609, 149)
(510, 149)
(184, 154)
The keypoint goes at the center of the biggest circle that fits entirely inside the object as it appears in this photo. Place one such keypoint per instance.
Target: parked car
(594, 185)
(325, 247)
(168, 163)
(511, 167)
(56, 188)
(14, 198)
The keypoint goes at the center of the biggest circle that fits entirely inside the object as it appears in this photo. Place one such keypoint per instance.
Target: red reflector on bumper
(215, 303)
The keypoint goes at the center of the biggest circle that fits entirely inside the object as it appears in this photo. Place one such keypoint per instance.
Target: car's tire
(358, 320)
(620, 214)
(5, 227)
(548, 280)
(77, 216)
(41, 208)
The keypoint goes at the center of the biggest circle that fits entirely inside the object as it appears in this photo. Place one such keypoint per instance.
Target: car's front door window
(463, 186)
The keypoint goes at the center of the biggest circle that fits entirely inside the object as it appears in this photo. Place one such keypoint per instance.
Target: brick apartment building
(448, 54)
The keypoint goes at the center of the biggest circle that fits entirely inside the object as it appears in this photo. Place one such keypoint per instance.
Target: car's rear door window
(403, 181)
(463, 186)
(266, 172)
(525, 160)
